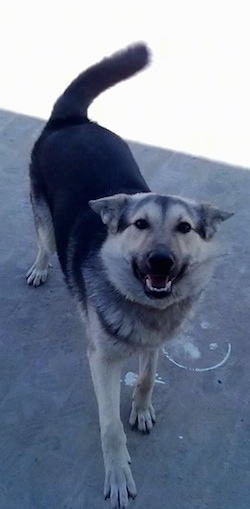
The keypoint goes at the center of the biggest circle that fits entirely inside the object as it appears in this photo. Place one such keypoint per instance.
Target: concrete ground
(198, 454)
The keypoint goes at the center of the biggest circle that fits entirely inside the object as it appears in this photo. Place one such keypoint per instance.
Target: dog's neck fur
(132, 323)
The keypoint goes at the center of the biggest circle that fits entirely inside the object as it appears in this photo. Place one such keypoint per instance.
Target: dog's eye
(141, 224)
(184, 227)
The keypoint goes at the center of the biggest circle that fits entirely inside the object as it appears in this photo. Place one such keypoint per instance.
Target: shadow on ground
(198, 455)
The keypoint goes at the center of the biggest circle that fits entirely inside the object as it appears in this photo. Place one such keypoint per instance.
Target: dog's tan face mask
(160, 237)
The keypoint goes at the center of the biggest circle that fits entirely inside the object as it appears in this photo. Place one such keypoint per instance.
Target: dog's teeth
(154, 289)
(150, 287)
(169, 285)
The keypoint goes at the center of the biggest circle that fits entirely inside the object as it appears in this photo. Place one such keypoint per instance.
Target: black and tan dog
(136, 262)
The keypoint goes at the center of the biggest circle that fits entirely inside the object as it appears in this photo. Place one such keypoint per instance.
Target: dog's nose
(160, 262)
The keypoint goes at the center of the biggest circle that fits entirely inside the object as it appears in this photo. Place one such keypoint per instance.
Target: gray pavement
(198, 455)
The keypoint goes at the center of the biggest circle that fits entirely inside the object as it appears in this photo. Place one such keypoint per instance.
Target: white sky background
(195, 97)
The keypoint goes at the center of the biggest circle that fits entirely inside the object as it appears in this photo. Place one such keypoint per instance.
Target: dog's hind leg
(142, 414)
(38, 272)
(119, 484)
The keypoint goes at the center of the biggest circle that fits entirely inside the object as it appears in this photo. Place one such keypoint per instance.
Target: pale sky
(195, 97)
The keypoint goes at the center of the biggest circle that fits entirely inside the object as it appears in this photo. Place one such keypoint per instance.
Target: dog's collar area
(157, 286)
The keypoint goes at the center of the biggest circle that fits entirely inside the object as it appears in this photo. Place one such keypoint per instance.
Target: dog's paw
(119, 485)
(142, 418)
(36, 276)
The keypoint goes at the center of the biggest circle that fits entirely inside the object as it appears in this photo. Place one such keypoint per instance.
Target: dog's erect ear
(210, 219)
(109, 209)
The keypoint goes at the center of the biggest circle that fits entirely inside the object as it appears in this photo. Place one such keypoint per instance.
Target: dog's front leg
(119, 484)
(142, 414)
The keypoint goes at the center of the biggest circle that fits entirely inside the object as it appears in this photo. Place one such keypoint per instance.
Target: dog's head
(159, 249)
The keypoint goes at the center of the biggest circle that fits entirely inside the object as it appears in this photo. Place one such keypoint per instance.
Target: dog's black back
(75, 160)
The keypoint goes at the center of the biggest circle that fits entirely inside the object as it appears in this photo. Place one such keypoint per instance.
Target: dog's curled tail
(92, 82)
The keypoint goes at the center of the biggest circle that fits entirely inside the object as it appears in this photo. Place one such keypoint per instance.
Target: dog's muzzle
(157, 273)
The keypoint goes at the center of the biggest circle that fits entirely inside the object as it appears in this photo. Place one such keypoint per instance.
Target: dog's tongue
(159, 282)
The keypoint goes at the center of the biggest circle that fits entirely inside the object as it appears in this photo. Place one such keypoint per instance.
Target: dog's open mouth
(155, 285)
(158, 284)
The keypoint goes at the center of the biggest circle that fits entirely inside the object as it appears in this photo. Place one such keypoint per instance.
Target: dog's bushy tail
(92, 82)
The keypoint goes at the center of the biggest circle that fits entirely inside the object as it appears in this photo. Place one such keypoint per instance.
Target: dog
(135, 262)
